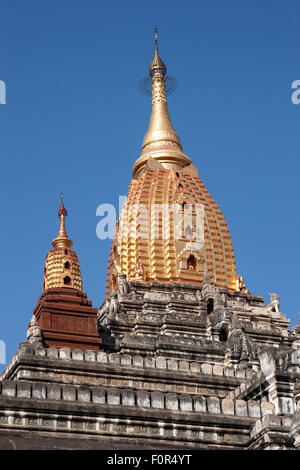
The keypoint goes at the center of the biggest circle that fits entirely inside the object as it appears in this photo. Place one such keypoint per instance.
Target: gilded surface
(164, 256)
(56, 271)
(62, 267)
(163, 175)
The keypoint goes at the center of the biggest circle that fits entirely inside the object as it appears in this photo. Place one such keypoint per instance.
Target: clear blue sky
(74, 122)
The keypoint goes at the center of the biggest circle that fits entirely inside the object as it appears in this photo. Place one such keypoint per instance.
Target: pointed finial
(161, 141)
(62, 209)
(62, 238)
(155, 36)
(157, 65)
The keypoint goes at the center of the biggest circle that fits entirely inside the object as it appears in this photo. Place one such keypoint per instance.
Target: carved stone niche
(219, 324)
(240, 349)
(211, 299)
(123, 285)
(190, 260)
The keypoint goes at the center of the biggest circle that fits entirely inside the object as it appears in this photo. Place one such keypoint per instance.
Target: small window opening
(66, 252)
(210, 306)
(192, 263)
(67, 281)
(67, 265)
(223, 335)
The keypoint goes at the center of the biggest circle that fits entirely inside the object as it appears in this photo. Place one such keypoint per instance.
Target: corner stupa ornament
(62, 268)
(34, 332)
(152, 241)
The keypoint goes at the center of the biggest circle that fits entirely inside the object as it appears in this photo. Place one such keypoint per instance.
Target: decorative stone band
(272, 432)
(134, 398)
(126, 360)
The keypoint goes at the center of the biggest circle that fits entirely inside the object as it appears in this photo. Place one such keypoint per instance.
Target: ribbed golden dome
(62, 268)
(152, 239)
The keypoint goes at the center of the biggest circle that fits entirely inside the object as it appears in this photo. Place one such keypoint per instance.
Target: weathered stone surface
(161, 363)
(77, 355)
(90, 356)
(143, 398)
(287, 421)
(213, 405)
(184, 366)
(53, 352)
(113, 396)
(241, 408)
(157, 400)
(286, 405)
(217, 370)
(172, 364)
(54, 391)
(23, 389)
(227, 406)
(195, 368)
(254, 409)
(126, 360)
(206, 368)
(138, 361)
(166, 379)
(240, 373)
(267, 362)
(200, 404)
(171, 401)
(128, 398)
(102, 357)
(114, 358)
(98, 395)
(295, 357)
(229, 371)
(68, 393)
(84, 394)
(65, 353)
(186, 402)
(149, 362)
(40, 351)
(267, 408)
(249, 373)
(26, 349)
(39, 390)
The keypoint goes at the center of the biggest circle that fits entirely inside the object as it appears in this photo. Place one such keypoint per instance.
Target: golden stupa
(62, 268)
(151, 242)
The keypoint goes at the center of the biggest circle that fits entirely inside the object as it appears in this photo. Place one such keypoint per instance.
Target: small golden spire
(62, 239)
(161, 141)
(62, 268)
(157, 63)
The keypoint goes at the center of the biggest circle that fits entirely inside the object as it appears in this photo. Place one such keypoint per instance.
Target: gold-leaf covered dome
(62, 268)
(151, 243)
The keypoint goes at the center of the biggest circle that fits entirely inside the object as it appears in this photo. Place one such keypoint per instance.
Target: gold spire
(161, 142)
(149, 243)
(62, 268)
(157, 63)
(62, 239)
